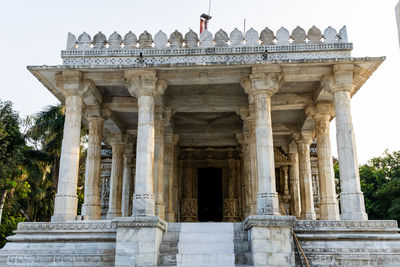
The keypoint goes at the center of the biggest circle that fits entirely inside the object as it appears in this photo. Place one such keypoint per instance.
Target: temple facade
(208, 150)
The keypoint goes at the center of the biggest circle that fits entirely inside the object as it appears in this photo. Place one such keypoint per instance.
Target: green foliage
(380, 182)
(7, 226)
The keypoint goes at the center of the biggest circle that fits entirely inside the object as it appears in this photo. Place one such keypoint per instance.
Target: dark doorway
(210, 194)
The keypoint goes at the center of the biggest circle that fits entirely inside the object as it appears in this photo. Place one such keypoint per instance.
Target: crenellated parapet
(206, 48)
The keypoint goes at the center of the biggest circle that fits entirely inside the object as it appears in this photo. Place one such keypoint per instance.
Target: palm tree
(46, 134)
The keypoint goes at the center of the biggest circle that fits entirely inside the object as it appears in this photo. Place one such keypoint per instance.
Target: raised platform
(93, 243)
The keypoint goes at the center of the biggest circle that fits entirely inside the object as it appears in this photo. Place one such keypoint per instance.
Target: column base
(113, 214)
(352, 206)
(138, 240)
(308, 216)
(65, 208)
(171, 217)
(329, 211)
(160, 210)
(91, 211)
(143, 205)
(271, 240)
(267, 204)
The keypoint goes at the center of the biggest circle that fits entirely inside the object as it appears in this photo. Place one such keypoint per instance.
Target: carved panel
(189, 211)
(230, 210)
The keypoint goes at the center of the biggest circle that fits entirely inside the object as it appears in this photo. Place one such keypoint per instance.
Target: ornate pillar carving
(262, 86)
(329, 209)
(128, 159)
(246, 174)
(351, 196)
(170, 141)
(294, 184)
(230, 208)
(189, 208)
(304, 141)
(159, 162)
(143, 84)
(91, 209)
(66, 200)
(114, 206)
(285, 177)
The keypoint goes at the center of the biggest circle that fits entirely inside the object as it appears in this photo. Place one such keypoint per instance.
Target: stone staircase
(205, 244)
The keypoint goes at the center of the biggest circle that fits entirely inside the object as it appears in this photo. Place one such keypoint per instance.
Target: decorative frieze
(313, 225)
(268, 221)
(36, 227)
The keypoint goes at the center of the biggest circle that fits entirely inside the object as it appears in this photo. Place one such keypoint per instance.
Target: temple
(208, 150)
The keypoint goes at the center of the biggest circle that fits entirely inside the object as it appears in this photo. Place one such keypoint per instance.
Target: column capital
(322, 110)
(262, 82)
(144, 82)
(170, 138)
(341, 80)
(71, 83)
(304, 137)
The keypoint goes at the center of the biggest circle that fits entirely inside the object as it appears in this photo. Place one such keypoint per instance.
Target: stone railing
(191, 49)
(206, 40)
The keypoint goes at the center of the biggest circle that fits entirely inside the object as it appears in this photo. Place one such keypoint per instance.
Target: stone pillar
(66, 200)
(246, 177)
(294, 184)
(307, 200)
(351, 197)
(91, 209)
(126, 180)
(170, 141)
(159, 162)
(144, 85)
(285, 177)
(231, 203)
(253, 168)
(262, 86)
(114, 204)
(189, 208)
(329, 209)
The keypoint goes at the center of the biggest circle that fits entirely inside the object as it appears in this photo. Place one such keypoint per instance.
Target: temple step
(205, 244)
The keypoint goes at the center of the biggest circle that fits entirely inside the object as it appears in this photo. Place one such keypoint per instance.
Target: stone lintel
(141, 222)
(268, 221)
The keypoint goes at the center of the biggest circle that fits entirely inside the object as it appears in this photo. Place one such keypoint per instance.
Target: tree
(12, 145)
(380, 182)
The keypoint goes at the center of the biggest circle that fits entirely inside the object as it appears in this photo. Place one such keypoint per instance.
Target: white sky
(34, 33)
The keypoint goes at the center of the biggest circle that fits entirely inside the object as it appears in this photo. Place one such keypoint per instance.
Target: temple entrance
(210, 194)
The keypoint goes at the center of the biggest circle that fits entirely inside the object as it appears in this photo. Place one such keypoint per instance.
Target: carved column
(285, 177)
(351, 196)
(253, 158)
(262, 86)
(91, 209)
(114, 206)
(126, 180)
(170, 141)
(144, 85)
(231, 203)
(159, 162)
(307, 200)
(189, 208)
(66, 200)
(329, 209)
(294, 184)
(246, 176)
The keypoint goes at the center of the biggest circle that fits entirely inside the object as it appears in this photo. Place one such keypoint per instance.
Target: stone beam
(112, 123)
(204, 76)
(290, 101)
(305, 73)
(210, 103)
